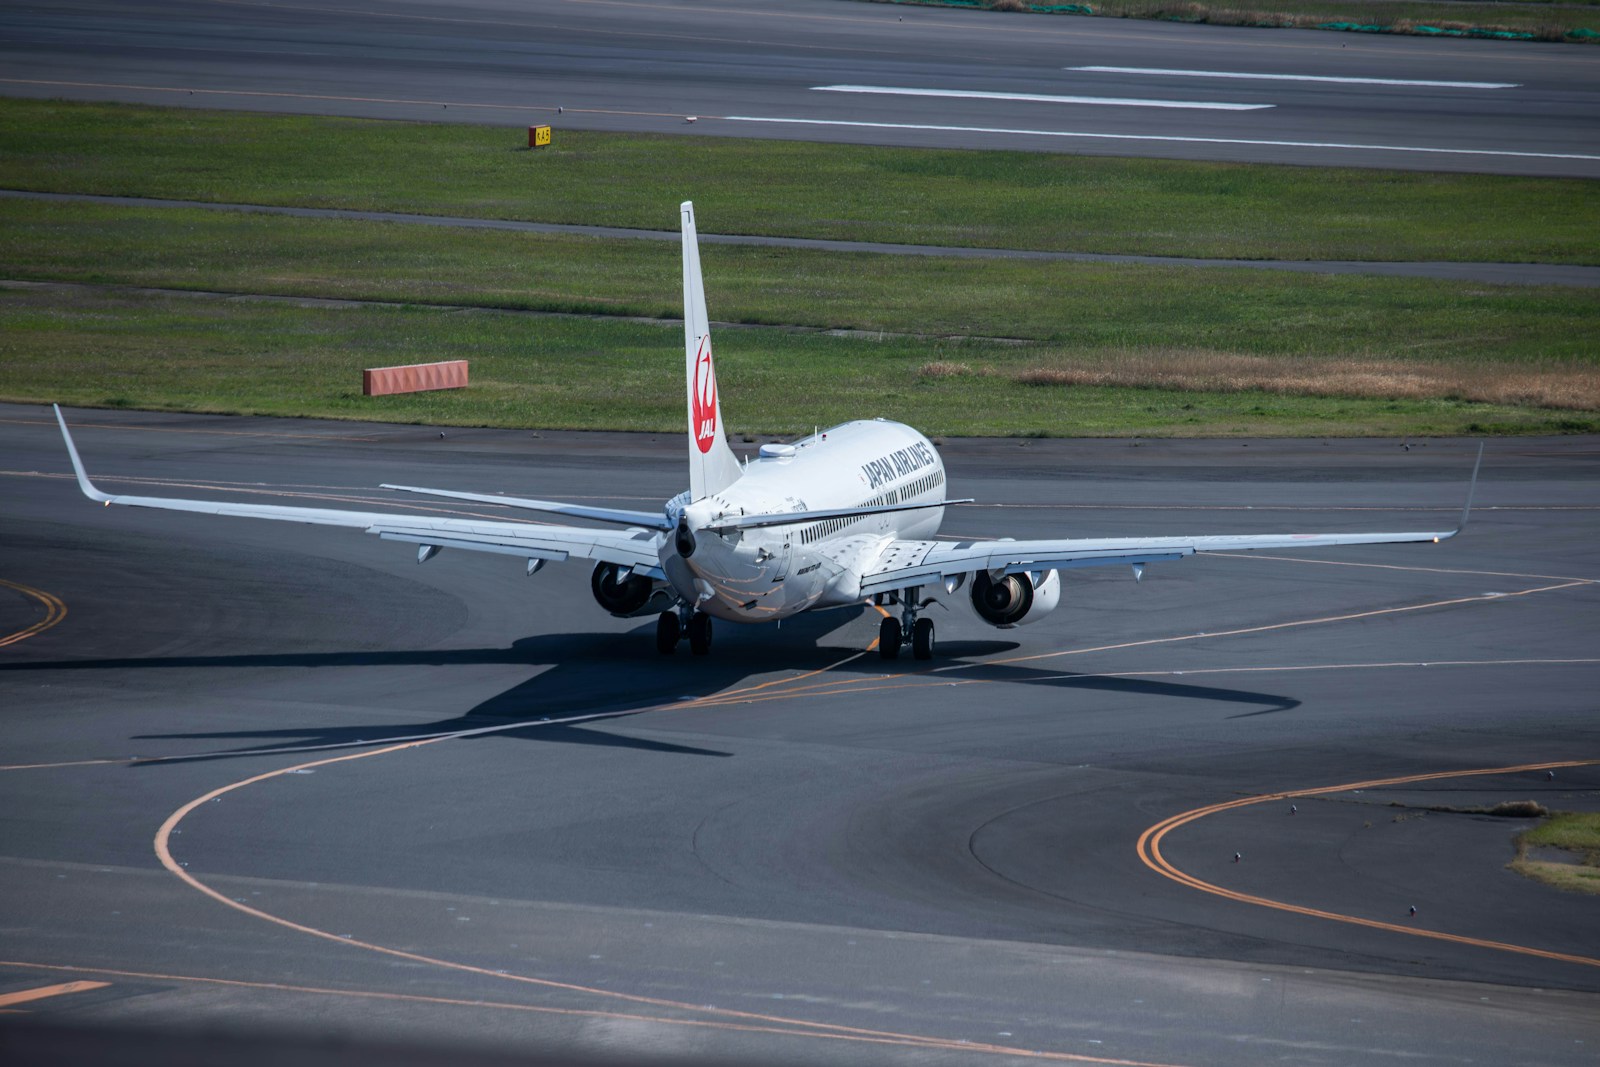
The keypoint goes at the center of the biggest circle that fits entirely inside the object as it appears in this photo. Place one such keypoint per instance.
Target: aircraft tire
(889, 638)
(922, 639)
(700, 633)
(667, 632)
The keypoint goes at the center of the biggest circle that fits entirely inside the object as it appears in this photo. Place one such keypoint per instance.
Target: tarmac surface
(824, 70)
(791, 851)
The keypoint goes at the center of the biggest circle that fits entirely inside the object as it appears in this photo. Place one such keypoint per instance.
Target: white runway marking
(1162, 137)
(1037, 98)
(1295, 77)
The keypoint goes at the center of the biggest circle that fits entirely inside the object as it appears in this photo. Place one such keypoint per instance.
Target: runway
(790, 851)
(827, 70)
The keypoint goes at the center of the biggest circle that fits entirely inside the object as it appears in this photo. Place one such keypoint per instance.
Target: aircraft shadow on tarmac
(613, 676)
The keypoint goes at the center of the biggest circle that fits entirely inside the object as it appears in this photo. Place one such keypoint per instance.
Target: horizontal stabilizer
(647, 519)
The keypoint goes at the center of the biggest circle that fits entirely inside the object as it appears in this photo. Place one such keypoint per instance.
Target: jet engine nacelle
(626, 597)
(1015, 599)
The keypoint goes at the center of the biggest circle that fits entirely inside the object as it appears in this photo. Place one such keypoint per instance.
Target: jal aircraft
(846, 516)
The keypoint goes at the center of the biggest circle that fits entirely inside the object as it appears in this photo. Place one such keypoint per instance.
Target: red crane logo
(703, 399)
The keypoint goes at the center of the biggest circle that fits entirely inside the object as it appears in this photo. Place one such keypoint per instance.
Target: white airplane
(846, 516)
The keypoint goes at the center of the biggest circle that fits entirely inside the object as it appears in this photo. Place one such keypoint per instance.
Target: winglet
(1472, 489)
(77, 464)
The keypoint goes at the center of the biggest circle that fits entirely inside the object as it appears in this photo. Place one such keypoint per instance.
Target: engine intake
(1015, 599)
(622, 597)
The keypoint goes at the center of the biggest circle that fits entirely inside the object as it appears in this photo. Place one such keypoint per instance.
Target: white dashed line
(1038, 98)
(1295, 77)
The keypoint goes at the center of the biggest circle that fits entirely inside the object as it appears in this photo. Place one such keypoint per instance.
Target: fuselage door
(782, 562)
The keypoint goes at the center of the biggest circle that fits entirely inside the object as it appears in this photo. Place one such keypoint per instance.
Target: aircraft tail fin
(712, 465)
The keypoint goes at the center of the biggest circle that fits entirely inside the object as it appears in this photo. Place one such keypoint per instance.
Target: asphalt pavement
(831, 70)
(790, 851)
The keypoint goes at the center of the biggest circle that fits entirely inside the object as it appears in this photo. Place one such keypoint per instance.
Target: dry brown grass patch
(1563, 386)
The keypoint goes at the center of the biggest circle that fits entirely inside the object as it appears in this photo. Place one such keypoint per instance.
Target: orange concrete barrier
(416, 378)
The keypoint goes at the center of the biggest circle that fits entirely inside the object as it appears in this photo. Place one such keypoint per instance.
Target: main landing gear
(894, 634)
(672, 626)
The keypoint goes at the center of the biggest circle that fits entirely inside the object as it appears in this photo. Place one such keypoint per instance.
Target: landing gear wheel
(667, 632)
(889, 638)
(700, 633)
(922, 639)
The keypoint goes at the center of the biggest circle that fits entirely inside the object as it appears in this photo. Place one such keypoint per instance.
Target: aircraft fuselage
(772, 572)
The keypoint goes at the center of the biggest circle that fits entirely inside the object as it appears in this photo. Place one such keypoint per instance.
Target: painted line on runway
(1411, 567)
(921, 679)
(454, 1002)
(1418, 82)
(854, 686)
(54, 611)
(1038, 98)
(67, 763)
(1388, 665)
(936, 675)
(791, 1026)
(180, 429)
(1149, 849)
(1481, 598)
(712, 700)
(28, 996)
(1164, 138)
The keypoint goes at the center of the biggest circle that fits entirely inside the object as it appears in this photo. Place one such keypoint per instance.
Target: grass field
(1516, 19)
(1095, 349)
(917, 196)
(96, 349)
(1088, 306)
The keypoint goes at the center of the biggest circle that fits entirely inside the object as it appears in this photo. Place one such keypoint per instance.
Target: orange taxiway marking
(491, 1005)
(1149, 849)
(54, 612)
(27, 996)
(798, 1027)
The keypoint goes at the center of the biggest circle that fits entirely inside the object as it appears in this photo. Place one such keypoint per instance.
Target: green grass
(1576, 832)
(922, 196)
(90, 348)
(1534, 18)
(1088, 307)
(1101, 349)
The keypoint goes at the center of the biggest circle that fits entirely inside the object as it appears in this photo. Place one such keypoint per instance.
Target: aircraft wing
(903, 564)
(636, 549)
(909, 563)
